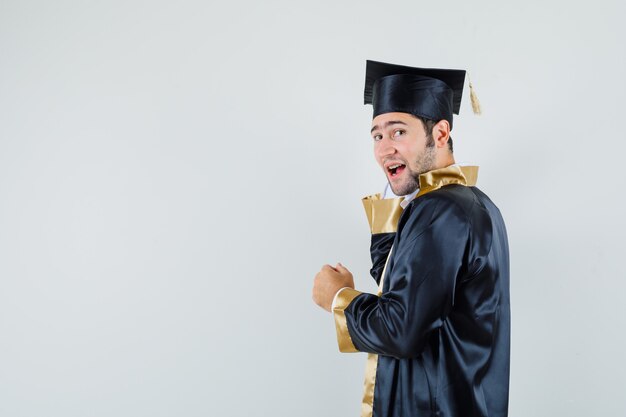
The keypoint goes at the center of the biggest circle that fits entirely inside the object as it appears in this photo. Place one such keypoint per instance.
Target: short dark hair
(429, 124)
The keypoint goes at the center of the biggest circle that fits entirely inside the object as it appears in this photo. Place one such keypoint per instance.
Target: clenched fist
(328, 281)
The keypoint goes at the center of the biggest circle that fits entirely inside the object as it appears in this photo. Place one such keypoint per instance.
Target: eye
(377, 137)
(398, 132)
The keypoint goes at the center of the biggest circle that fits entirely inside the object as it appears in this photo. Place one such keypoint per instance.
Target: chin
(403, 189)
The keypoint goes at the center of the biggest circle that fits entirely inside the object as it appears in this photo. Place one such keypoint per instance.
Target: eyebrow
(387, 124)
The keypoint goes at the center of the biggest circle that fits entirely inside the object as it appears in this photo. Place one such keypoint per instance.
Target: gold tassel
(474, 99)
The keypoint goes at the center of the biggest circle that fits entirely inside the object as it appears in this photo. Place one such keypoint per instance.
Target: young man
(438, 331)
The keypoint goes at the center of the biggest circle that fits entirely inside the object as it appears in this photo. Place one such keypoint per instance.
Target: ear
(441, 133)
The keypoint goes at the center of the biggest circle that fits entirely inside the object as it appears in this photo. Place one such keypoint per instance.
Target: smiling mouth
(395, 170)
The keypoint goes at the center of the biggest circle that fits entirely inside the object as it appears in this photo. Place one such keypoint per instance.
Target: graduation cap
(426, 92)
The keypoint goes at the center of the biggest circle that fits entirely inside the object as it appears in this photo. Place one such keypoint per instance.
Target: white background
(173, 175)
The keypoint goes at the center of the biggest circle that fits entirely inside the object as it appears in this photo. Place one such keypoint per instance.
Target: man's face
(403, 150)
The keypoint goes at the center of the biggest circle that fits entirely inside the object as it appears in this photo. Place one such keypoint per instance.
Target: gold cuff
(382, 213)
(344, 298)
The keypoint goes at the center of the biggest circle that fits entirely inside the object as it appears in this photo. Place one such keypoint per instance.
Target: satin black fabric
(404, 91)
(379, 250)
(441, 327)
(413, 94)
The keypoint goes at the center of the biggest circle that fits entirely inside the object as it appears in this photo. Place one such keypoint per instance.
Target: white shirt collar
(408, 198)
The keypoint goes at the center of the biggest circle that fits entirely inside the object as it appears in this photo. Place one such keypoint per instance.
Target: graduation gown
(438, 332)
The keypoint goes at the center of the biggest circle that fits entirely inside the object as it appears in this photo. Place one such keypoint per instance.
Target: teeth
(395, 166)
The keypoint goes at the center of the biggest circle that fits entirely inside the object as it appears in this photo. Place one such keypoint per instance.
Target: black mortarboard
(426, 92)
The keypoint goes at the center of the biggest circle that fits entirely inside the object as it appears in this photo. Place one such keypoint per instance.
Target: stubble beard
(424, 163)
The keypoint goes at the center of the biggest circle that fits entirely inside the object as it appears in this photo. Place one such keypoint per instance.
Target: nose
(385, 147)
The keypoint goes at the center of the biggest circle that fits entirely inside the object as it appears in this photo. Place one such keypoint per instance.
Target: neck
(444, 159)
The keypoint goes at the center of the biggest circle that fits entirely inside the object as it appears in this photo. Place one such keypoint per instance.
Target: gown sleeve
(419, 286)
(379, 251)
(382, 215)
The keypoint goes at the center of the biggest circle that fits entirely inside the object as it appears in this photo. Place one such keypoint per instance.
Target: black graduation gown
(440, 329)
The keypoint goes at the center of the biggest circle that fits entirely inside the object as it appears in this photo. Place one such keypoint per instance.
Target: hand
(328, 281)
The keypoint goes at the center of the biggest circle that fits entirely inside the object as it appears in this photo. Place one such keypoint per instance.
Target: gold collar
(433, 180)
(383, 214)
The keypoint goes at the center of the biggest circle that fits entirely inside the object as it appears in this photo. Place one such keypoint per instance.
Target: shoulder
(457, 199)
(448, 209)
(454, 196)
